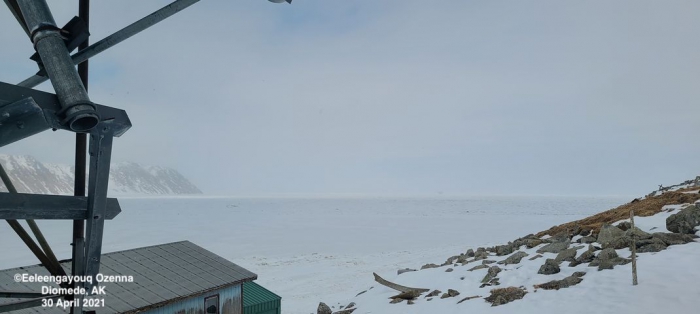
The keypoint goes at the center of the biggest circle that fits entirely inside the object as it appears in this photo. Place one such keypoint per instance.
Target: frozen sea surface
(310, 250)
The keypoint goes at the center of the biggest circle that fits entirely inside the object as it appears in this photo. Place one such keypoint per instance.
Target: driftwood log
(395, 286)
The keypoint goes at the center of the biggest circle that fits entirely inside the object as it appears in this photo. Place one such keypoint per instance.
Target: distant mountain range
(126, 178)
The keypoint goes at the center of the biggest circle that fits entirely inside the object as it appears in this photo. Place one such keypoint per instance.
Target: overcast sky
(396, 97)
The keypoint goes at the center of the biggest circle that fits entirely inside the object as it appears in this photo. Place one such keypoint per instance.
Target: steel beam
(77, 111)
(25, 304)
(100, 151)
(13, 99)
(116, 38)
(37, 206)
(20, 295)
(78, 252)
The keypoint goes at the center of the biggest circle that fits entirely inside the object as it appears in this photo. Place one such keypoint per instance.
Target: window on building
(211, 304)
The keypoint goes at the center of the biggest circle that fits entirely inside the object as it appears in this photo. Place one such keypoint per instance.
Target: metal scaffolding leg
(100, 156)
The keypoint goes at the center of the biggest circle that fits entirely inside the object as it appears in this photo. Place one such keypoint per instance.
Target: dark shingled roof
(162, 274)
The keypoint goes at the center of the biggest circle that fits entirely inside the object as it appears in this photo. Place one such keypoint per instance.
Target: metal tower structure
(25, 111)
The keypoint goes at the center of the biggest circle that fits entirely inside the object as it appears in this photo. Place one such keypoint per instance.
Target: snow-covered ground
(311, 250)
(669, 282)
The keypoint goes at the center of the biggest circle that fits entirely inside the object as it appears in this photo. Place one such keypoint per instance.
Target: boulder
(684, 221)
(586, 240)
(514, 258)
(502, 250)
(624, 226)
(607, 254)
(611, 263)
(449, 270)
(428, 266)
(554, 247)
(434, 293)
(449, 294)
(407, 295)
(505, 295)
(585, 231)
(323, 308)
(492, 273)
(531, 243)
(568, 255)
(470, 253)
(550, 267)
(650, 245)
(558, 284)
(487, 261)
(673, 238)
(609, 234)
(637, 233)
(478, 267)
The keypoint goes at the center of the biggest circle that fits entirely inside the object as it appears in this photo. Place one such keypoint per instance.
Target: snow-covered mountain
(32, 176)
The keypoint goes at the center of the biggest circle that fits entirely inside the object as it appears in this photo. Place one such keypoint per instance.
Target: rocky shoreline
(595, 241)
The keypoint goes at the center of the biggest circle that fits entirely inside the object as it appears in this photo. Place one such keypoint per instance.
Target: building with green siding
(258, 300)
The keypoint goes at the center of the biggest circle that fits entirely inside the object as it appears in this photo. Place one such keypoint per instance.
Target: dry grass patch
(646, 207)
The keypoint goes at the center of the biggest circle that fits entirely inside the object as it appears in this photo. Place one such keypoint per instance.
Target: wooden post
(634, 250)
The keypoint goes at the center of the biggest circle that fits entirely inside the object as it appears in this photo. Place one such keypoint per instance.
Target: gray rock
(449, 294)
(579, 274)
(585, 231)
(428, 266)
(610, 263)
(550, 267)
(568, 255)
(514, 258)
(492, 273)
(487, 261)
(624, 225)
(449, 270)
(619, 242)
(558, 284)
(478, 267)
(433, 293)
(607, 254)
(470, 253)
(650, 245)
(637, 233)
(505, 295)
(323, 308)
(352, 304)
(397, 300)
(608, 234)
(586, 240)
(555, 247)
(673, 238)
(684, 221)
(502, 250)
(407, 295)
(531, 243)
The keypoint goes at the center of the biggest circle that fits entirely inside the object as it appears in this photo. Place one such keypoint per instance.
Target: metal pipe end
(83, 122)
(80, 117)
